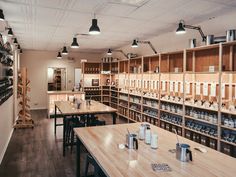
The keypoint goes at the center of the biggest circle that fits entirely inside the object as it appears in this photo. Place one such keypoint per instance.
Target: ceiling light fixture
(21, 51)
(182, 26)
(109, 52)
(94, 29)
(15, 41)
(10, 32)
(64, 51)
(136, 42)
(2, 18)
(74, 44)
(59, 55)
(18, 48)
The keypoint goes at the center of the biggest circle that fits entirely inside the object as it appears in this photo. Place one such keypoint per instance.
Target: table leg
(55, 120)
(64, 136)
(78, 143)
(114, 117)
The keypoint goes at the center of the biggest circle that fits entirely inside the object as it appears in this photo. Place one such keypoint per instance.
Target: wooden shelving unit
(192, 91)
(24, 120)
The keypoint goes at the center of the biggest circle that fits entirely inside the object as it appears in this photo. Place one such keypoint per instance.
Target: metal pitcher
(132, 141)
(183, 152)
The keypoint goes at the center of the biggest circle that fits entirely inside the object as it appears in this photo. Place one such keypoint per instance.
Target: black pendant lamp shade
(21, 51)
(18, 48)
(94, 29)
(74, 44)
(2, 18)
(59, 55)
(135, 43)
(64, 51)
(10, 32)
(109, 52)
(15, 41)
(180, 29)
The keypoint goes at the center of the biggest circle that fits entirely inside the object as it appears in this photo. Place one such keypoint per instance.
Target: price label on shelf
(176, 86)
(171, 86)
(198, 88)
(187, 88)
(181, 87)
(163, 85)
(223, 90)
(205, 89)
(213, 89)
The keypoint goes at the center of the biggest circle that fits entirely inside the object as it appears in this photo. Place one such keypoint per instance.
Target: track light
(135, 44)
(180, 29)
(15, 41)
(74, 44)
(2, 18)
(64, 51)
(182, 26)
(94, 29)
(59, 55)
(10, 32)
(109, 52)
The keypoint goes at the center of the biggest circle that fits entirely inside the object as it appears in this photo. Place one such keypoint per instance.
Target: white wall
(37, 63)
(6, 123)
(8, 115)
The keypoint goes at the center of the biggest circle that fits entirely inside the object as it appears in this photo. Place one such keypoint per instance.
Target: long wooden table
(102, 144)
(67, 108)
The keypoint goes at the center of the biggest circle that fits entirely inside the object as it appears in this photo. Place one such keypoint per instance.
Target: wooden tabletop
(64, 92)
(102, 142)
(66, 107)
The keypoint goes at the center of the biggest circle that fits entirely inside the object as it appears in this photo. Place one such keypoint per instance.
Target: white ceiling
(49, 24)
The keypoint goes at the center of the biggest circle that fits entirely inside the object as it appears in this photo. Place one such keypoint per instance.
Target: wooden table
(67, 108)
(102, 144)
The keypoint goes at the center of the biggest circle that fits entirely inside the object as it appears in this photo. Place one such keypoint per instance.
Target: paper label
(176, 86)
(213, 89)
(223, 90)
(205, 89)
(198, 88)
(171, 86)
(187, 88)
(163, 85)
(181, 87)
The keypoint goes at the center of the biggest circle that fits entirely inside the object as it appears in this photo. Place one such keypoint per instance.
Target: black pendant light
(2, 18)
(64, 51)
(74, 44)
(109, 52)
(180, 29)
(94, 29)
(10, 32)
(134, 44)
(18, 48)
(59, 55)
(15, 41)
(21, 51)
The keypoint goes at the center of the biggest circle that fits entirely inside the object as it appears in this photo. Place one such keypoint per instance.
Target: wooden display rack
(185, 80)
(24, 120)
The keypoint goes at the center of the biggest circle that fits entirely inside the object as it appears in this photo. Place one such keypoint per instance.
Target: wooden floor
(38, 152)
